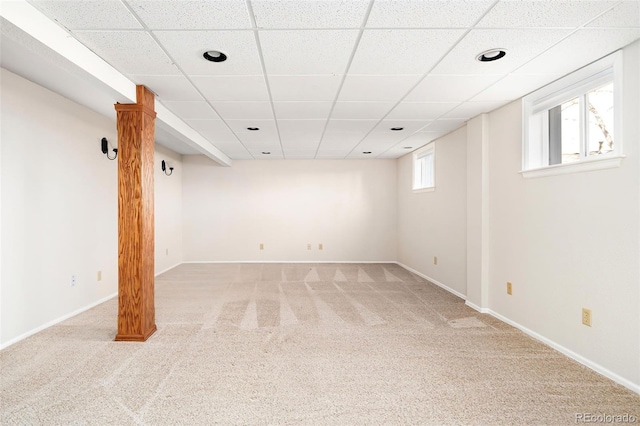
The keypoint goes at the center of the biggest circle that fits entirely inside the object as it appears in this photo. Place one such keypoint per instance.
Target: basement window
(573, 124)
(424, 175)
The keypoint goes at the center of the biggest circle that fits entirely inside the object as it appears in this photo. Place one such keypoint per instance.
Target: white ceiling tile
(471, 109)
(188, 110)
(408, 127)
(266, 139)
(361, 110)
(233, 149)
(579, 49)
(379, 140)
(340, 140)
(244, 110)
(301, 141)
(420, 139)
(88, 15)
(421, 110)
(169, 87)
(304, 87)
(302, 125)
(309, 14)
(213, 130)
(401, 51)
(358, 126)
(130, 52)
(302, 110)
(265, 126)
(308, 51)
(521, 45)
(536, 13)
(444, 125)
(187, 47)
(196, 15)
(377, 88)
(515, 86)
(267, 154)
(232, 88)
(427, 13)
(626, 14)
(450, 88)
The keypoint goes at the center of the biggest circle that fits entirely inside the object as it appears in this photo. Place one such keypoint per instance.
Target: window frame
(427, 150)
(535, 126)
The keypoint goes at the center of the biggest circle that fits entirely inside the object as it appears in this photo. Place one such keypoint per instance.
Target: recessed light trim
(491, 55)
(397, 129)
(214, 56)
(253, 129)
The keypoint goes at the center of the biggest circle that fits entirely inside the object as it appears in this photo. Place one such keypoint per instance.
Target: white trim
(290, 261)
(568, 352)
(56, 321)
(578, 166)
(431, 280)
(168, 269)
(429, 189)
(576, 84)
(476, 307)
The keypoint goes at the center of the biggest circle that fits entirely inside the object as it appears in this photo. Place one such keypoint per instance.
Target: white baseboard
(56, 321)
(477, 308)
(290, 261)
(439, 284)
(568, 352)
(168, 269)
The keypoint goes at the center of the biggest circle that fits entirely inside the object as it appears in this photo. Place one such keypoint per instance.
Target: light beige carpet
(312, 344)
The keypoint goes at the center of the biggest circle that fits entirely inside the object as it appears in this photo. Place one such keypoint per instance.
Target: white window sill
(419, 190)
(580, 166)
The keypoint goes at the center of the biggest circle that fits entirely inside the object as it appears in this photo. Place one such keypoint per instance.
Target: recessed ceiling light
(253, 129)
(366, 152)
(397, 129)
(266, 152)
(491, 55)
(214, 56)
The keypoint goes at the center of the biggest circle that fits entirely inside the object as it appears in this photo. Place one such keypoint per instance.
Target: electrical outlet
(586, 316)
(308, 246)
(99, 276)
(261, 246)
(73, 280)
(509, 288)
(320, 246)
(435, 260)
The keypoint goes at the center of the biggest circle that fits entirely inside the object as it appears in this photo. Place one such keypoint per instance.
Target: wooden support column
(136, 133)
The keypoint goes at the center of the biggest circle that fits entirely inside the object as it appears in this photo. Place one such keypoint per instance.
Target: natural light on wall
(569, 125)
(424, 176)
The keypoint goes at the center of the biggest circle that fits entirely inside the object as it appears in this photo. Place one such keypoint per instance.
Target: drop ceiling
(329, 79)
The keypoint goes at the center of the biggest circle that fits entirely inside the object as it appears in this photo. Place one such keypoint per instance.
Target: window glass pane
(600, 121)
(570, 122)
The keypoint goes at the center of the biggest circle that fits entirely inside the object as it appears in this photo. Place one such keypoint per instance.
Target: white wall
(347, 205)
(59, 209)
(434, 223)
(570, 241)
(167, 210)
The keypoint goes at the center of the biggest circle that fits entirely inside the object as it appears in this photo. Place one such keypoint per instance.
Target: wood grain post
(136, 134)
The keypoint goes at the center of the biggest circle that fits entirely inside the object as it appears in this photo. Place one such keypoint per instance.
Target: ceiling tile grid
(329, 78)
